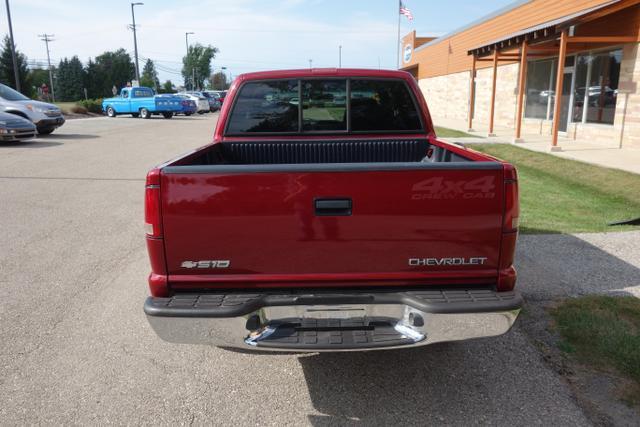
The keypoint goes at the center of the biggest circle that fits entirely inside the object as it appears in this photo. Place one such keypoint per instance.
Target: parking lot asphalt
(76, 348)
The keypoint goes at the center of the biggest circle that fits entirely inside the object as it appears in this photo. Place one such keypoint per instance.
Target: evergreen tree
(93, 79)
(70, 80)
(149, 75)
(7, 75)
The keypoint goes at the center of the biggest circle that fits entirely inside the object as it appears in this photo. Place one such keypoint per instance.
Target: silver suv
(46, 117)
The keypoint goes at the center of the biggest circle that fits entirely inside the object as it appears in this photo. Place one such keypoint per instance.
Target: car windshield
(10, 94)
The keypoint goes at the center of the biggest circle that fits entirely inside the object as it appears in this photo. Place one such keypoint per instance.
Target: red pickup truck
(327, 216)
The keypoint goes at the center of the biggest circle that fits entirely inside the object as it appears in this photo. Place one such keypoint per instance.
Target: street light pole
(340, 56)
(193, 69)
(310, 63)
(135, 40)
(13, 49)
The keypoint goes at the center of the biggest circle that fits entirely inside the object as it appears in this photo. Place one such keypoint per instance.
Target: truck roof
(325, 72)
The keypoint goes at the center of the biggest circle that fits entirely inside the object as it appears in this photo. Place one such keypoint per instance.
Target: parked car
(201, 102)
(188, 106)
(141, 102)
(221, 94)
(46, 117)
(358, 230)
(214, 103)
(16, 128)
(216, 99)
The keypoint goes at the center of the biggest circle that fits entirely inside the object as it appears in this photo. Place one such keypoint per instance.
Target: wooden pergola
(544, 40)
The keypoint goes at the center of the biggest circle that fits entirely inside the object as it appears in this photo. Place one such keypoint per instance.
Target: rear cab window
(324, 105)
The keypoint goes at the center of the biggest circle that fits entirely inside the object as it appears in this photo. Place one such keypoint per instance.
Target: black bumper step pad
(334, 334)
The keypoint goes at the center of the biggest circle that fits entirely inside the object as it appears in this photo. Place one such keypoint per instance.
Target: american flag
(405, 11)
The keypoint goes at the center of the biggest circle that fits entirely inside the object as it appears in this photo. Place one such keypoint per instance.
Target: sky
(251, 35)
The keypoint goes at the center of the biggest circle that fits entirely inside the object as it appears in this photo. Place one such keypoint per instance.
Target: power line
(46, 38)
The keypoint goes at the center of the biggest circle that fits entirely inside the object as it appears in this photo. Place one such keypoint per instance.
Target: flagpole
(398, 42)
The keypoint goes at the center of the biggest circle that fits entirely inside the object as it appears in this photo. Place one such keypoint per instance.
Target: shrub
(79, 109)
(91, 105)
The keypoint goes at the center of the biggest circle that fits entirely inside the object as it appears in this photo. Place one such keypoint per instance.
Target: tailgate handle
(333, 207)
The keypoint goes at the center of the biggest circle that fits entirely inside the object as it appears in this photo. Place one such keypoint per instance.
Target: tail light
(512, 207)
(185, 103)
(506, 271)
(152, 221)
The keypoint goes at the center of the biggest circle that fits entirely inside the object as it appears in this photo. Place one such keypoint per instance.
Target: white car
(201, 102)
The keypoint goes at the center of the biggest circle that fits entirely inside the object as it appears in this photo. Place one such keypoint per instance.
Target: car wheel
(144, 113)
(187, 114)
(111, 112)
(167, 115)
(45, 131)
(136, 115)
(200, 112)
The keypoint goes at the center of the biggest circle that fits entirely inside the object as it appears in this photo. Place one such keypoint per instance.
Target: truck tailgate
(410, 225)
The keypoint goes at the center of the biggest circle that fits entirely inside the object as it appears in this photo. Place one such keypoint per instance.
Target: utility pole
(340, 56)
(13, 48)
(46, 38)
(135, 40)
(193, 69)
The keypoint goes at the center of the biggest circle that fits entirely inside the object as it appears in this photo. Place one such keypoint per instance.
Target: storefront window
(540, 93)
(596, 89)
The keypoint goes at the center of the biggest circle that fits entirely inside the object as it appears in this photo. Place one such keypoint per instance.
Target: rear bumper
(332, 320)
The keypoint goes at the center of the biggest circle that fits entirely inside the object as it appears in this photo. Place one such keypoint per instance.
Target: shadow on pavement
(491, 381)
(34, 143)
(69, 136)
(563, 265)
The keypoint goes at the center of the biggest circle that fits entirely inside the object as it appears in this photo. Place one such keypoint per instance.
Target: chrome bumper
(289, 323)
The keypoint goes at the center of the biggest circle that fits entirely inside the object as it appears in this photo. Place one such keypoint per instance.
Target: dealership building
(504, 71)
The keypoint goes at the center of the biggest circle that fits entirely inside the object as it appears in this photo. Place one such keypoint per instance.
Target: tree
(70, 80)
(112, 69)
(167, 87)
(6, 68)
(149, 75)
(197, 64)
(219, 81)
(93, 80)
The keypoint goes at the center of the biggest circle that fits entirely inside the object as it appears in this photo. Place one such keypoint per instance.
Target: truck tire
(111, 112)
(144, 113)
(167, 115)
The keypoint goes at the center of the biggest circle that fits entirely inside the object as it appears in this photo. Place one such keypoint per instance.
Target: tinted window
(266, 107)
(324, 105)
(382, 105)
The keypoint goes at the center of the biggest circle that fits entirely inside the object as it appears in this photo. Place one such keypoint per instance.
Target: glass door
(568, 83)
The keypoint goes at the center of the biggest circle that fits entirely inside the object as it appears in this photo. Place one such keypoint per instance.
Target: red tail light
(506, 271)
(153, 225)
(512, 206)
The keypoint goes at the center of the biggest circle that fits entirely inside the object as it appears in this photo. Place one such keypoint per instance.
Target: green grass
(452, 133)
(603, 332)
(565, 196)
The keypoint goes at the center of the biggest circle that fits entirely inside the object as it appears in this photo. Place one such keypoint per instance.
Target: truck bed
(330, 151)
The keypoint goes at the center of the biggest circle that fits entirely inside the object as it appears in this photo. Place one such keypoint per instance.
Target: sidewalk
(602, 154)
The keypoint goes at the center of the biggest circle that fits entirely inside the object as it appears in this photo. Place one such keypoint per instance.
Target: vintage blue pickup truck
(142, 102)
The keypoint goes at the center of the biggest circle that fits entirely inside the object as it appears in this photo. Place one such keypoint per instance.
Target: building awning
(547, 30)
